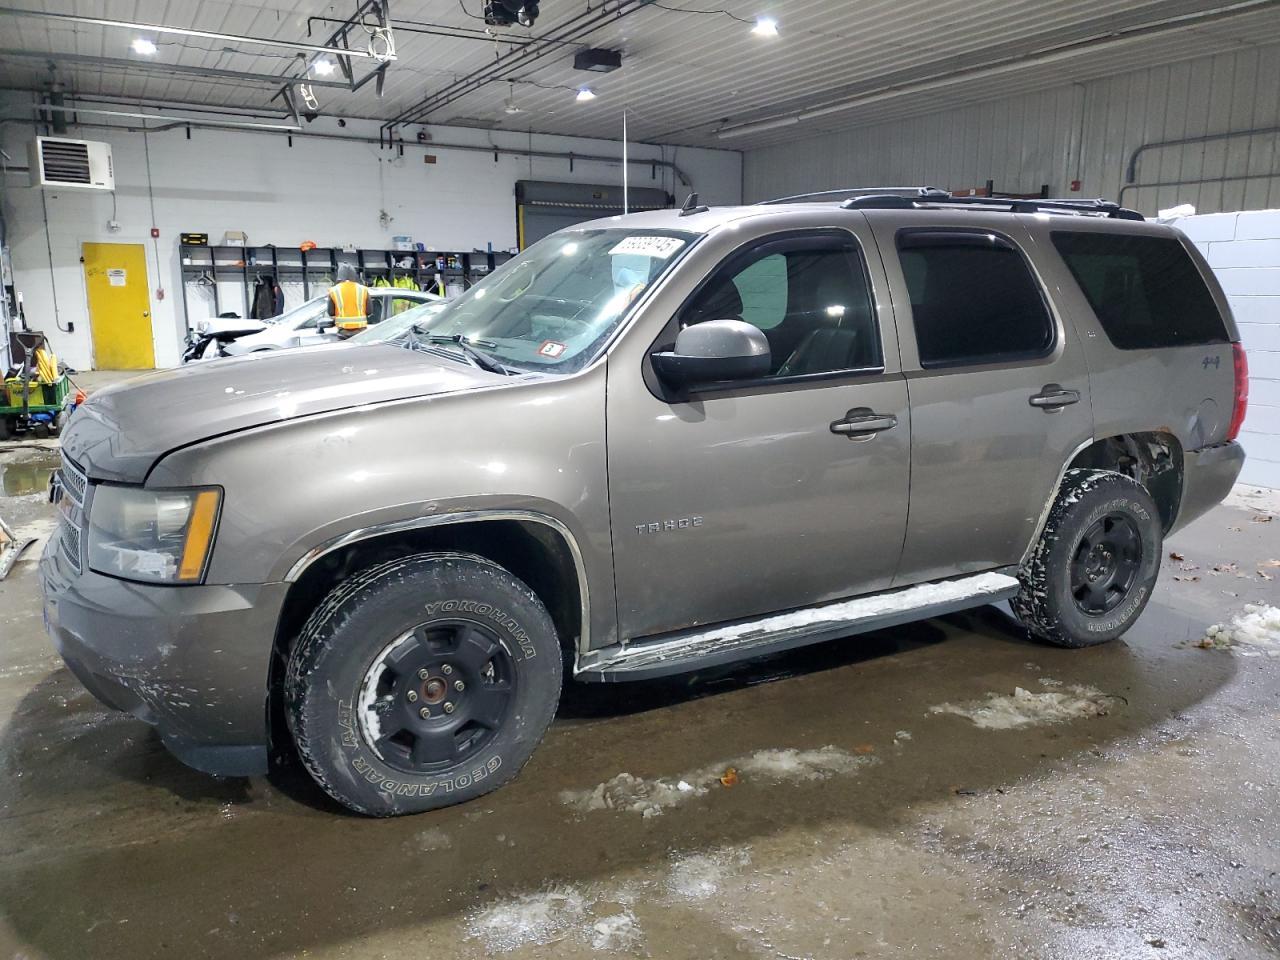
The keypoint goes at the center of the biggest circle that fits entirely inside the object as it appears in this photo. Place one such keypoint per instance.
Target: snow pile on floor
(795, 765)
(650, 797)
(530, 918)
(1026, 709)
(553, 916)
(1254, 633)
(699, 876)
(617, 932)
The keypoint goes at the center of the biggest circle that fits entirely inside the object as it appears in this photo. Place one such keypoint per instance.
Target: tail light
(1241, 404)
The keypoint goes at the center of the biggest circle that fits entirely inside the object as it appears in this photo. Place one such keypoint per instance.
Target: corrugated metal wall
(1082, 131)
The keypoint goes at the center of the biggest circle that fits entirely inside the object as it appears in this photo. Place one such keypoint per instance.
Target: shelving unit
(315, 269)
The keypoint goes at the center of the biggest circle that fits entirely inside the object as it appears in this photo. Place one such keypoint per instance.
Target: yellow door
(115, 275)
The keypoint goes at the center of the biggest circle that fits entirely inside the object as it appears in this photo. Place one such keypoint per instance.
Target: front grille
(73, 480)
(75, 485)
(69, 542)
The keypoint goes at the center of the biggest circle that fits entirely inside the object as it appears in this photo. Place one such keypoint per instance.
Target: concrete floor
(862, 823)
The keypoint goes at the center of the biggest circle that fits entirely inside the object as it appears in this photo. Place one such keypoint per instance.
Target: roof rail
(822, 195)
(1097, 208)
(911, 198)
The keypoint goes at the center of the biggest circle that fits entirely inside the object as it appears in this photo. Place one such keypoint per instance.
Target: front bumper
(1208, 475)
(192, 661)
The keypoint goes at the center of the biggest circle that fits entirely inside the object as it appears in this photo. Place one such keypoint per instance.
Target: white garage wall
(1080, 131)
(327, 191)
(1244, 251)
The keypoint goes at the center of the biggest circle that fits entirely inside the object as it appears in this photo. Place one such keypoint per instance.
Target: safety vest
(350, 301)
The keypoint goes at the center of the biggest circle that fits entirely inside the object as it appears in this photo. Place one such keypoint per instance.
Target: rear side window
(1145, 291)
(973, 299)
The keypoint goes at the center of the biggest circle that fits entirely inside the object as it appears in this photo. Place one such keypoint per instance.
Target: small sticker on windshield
(551, 348)
(660, 247)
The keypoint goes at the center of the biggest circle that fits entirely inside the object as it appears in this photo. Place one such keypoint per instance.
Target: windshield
(397, 326)
(551, 307)
(308, 309)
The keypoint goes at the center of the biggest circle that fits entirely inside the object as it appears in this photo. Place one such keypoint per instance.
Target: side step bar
(721, 643)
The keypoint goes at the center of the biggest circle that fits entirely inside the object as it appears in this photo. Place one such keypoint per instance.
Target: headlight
(155, 536)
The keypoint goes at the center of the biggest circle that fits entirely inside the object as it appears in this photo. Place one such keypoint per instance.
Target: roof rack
(912, 198)
(826, 195)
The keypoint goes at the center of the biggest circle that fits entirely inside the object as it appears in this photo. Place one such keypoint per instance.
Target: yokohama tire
(452, 638)
(1093, 570)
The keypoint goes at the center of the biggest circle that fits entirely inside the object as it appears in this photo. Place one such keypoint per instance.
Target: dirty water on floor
(944, 789)
(27, 474)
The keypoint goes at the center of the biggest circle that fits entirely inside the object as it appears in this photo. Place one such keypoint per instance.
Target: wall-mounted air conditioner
(79, 164)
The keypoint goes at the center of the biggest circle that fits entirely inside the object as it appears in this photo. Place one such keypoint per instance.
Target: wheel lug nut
(422, 674)
(424, 713)
(448, 708)
(459, 685)
(411, 696)
(446, 669)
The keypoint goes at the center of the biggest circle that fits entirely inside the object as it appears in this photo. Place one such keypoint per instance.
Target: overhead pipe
(1131, 169)
(186, 32)
(436, 30)
(179, 123)
(503, 66)
(172, 68)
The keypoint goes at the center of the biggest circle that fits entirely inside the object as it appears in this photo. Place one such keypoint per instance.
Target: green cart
(30, 406)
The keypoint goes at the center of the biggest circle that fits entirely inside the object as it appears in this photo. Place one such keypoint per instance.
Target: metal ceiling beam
(186, 32)
(170, 68)
(504, 65)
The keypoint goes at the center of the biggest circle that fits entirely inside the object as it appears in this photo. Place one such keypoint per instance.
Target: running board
(741, 640)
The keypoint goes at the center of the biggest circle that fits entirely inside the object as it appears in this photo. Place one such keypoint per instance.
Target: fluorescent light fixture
(324, 67)
(585, 94)
(728, 133)
(765, 27)
(144, 46)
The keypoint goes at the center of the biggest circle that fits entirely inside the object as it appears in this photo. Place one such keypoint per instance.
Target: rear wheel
(421, 683)
(1093, 571)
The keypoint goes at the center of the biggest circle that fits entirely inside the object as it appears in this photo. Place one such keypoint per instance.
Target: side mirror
(714, 351)
(325, 324)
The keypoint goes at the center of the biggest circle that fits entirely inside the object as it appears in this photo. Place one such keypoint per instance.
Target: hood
(121, 431)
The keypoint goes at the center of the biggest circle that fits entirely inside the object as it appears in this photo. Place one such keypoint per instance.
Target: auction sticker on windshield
(660, 247)
(551, 348)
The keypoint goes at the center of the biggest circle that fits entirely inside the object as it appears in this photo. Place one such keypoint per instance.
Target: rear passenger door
(998, 389)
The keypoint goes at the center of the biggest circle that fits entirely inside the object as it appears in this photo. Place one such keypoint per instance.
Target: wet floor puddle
(22, 477)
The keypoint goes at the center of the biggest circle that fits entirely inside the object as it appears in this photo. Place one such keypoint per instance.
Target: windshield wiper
(468, 347)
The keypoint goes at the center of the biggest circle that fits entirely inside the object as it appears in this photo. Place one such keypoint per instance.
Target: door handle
(1053, 397)
(863, 423)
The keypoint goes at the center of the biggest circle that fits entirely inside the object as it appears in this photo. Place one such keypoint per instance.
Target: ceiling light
(585, 94)
(324, 67)
(144, 46)
(511, 108)
(765, 27)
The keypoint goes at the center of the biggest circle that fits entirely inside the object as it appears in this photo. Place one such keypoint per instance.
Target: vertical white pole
(626, 201)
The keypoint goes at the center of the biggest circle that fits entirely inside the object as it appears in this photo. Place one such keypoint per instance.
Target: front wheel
(422, 682)
(1093, 570)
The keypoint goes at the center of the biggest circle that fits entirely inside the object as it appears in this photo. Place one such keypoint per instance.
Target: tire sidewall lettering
(480, 608)
(371, 771)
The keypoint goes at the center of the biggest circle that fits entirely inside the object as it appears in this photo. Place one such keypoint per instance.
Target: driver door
(741, 500)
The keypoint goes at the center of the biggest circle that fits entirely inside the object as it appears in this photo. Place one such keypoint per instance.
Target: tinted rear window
(1146, 291)
(973, 299)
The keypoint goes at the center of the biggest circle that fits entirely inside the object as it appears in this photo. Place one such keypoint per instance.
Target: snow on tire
(422, 682)
(1092, 571)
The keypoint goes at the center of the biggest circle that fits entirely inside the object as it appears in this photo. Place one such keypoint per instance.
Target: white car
(301, 326)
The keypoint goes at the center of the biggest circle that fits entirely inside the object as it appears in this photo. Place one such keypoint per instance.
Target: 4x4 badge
(1208, 362)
